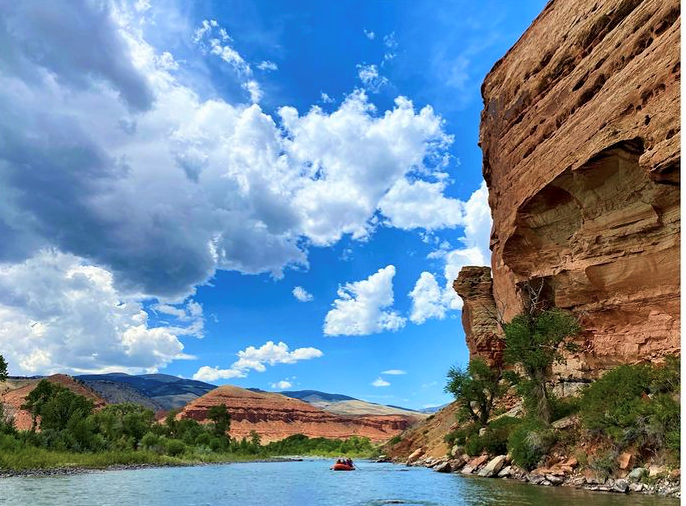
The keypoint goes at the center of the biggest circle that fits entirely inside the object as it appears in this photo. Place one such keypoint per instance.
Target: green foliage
(604, 464)
(395, 440)
(3, 369)
(222, 419)
(460, 435)
(636, 405)
(299, 444)
(534, 342)
(174, 447)
(477, 384)
(529, 442)
(494, 438)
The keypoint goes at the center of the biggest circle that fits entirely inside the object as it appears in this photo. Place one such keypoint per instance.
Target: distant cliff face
(580, 137)
(274, 417)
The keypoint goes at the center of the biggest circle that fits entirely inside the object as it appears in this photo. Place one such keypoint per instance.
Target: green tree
(478, 387)
(222, 419)
(3, 369)
(534, 341)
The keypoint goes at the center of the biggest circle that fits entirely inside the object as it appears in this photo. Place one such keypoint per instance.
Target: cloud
(369, 34)
(378, 382)
(59, 313)
(369, 75)
(391, 46)
(281, 385)
(268, 66)
(325, 98)
(420, 204)
(163, 187)
(394, 372)
(301, 294)
(253, 90)
(429, 300)
(362, 307)
(257, 359)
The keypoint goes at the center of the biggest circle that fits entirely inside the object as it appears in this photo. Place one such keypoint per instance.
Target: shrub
(395, 440)
(494, 440)
(149, 440)
(635, 405)
(529, 442)
(477, 385)
(175, 447)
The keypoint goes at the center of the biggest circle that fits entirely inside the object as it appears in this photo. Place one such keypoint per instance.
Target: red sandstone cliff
(274, 416)
(581, 154)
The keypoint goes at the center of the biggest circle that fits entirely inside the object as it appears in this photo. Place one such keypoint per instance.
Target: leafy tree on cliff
(534, 341)
(222, 419)
(476, 387)
(3, 369)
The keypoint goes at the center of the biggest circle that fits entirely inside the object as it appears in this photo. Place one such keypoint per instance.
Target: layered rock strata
(480, 314)
(581, 154)
(274, 417)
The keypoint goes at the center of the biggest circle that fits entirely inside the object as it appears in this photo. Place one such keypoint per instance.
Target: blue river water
(294, 484)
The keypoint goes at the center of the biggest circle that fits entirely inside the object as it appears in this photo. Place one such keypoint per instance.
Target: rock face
(480, 314)
(274, 417)
(580, 137)
(13, 398)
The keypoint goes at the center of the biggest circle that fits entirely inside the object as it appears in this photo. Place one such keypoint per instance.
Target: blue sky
(197, 163)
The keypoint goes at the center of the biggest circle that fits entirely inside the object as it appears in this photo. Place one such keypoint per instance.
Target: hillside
(154, 391)
(14, 391)
(274, 416)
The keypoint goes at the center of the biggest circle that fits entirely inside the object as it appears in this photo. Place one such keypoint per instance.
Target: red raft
(343, 467)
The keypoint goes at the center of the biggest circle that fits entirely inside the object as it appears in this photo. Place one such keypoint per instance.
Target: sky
(268, 194)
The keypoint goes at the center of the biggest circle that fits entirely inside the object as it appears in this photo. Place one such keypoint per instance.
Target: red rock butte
(581, 155)
(13, 399)
(274, 417)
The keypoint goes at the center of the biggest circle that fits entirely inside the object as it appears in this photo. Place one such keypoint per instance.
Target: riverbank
(655, 480)
(78, 469)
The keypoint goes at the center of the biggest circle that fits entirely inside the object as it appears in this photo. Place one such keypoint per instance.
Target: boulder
(456, 450)
(566, 422)
(554, 480)
(571, 462)
(636, 487)
(444, 467)
(478, 461)
(636, 474)
(625, 460)
(415, 455)
(467, 469)
(482, 432)
(493, 467)
(592, 478)
(505, 472)
(535, 479)
(620, 485)
(656, 470)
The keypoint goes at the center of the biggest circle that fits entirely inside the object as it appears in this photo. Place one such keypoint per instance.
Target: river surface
(295, 484)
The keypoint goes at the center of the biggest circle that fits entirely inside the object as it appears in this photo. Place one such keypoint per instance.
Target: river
(294, 484)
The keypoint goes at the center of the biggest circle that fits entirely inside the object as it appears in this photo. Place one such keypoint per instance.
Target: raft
(342, 467)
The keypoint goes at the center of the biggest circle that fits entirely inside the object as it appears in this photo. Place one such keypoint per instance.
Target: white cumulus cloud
(429, 299)
(281, 385)
(301, 294)
(268, 66)
(394, 372)
(370, 77)
(60, 313)
(363, 307)
(257, 359)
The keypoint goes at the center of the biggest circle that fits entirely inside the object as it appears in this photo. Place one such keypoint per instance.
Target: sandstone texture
(580, 138)
(480, 314)
(274, 417)
(13, 394)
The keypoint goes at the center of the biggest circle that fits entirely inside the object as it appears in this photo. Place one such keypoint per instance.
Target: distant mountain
(316, 396)
(433, 409)
(154, 391)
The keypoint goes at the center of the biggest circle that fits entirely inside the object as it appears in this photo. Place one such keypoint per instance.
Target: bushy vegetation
(635, 405)
(529, 442)
(302, 445)
(476, 388)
